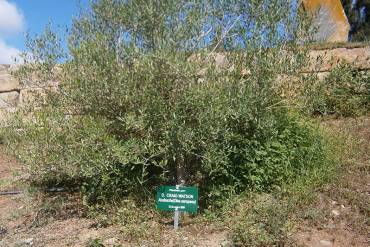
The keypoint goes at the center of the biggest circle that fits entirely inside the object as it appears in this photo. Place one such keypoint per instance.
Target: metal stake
(176, 220)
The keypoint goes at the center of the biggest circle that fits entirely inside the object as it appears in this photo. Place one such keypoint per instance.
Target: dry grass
(341, 212)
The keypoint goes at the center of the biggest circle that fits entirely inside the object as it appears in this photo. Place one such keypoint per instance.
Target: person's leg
(363, 12)
(354, 5)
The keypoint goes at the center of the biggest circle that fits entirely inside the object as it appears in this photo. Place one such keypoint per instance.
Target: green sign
(177, 198)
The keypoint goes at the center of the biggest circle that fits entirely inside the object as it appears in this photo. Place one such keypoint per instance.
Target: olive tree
(169, 92)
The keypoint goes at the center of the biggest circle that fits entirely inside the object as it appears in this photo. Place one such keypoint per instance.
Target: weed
(344, 92)
(265, 223)
(95, 242)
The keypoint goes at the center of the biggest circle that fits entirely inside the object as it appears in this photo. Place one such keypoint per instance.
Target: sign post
(178, 199)
(176, 219)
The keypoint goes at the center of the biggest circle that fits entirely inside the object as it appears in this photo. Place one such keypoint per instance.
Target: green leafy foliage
(344, 92)
(146, 98)
(96, 242)
(266, 223)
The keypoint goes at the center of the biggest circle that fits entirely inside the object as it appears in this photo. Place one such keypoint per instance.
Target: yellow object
(329, 19)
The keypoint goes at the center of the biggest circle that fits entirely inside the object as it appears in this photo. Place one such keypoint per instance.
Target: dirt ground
(21, 223)
(341, 216)
(343, 209)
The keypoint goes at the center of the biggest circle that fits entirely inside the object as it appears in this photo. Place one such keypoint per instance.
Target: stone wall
(10, 91)
(13, 94)
(324, 60)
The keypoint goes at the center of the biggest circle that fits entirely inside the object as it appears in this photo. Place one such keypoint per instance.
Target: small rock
(110, 242)
(26, 242)
(335, 212)
(226, 243)
(326, 243)
(330, 226)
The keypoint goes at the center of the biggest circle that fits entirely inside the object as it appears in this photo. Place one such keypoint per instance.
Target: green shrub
(345, 92)
(265, 223)
(94, 242)
(144, 100)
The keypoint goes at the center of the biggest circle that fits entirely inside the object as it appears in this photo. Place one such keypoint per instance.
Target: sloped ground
(339, 218)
